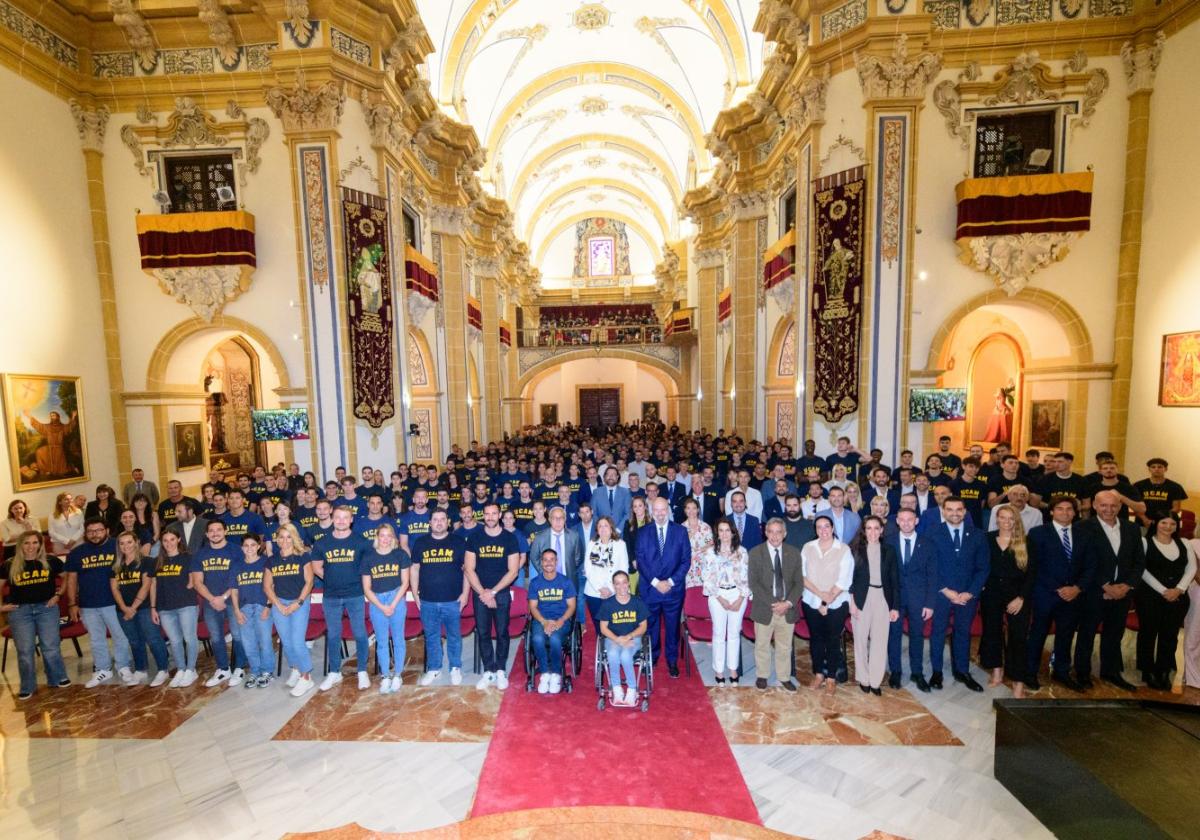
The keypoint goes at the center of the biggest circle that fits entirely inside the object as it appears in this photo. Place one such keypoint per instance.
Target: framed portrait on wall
(189, 445)
(651, 412)
(1179, 381)
(44, 419)
(1046, 431)
(549, 414)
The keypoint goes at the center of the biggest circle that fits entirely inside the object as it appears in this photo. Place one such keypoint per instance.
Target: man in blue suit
(918, 589)
(664, 555)
(748, 527)
(1064, 572)
(963, 560)
(612, 499)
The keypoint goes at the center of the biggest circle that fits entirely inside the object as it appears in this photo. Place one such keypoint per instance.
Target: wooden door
(599, 408)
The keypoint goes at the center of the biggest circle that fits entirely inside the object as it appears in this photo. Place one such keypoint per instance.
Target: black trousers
(1005, 637)
(825, 639)
(493, 625)
(1107, 618)
(1159, 621)
(1065, 617)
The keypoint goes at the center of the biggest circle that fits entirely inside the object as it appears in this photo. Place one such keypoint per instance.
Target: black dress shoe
(921, 684)
(865, 688)
(1032, 684)
(936, 681)
(843, 675)
(1151, 679)
(878, 692)
(1087, 683)
(894, 680)
(760, 684)
(1066, 681)
(719, 680)
(968, 681)
(1164, 680)
(673, 670)
(788, 685)
(1119, 681)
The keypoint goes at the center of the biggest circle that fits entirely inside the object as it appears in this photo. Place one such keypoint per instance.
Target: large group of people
(608, 530)
(598, 324)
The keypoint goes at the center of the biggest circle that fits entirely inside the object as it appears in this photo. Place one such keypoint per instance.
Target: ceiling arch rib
(595, 185)
(600, 144)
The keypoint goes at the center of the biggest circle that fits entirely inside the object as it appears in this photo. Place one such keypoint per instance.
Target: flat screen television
(280, 424)
(930, 405)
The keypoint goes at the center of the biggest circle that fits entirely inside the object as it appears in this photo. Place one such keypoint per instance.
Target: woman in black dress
(1161, 600)
(1005, 605)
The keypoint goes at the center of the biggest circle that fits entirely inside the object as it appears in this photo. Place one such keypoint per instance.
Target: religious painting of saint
(189, 445)
(549, 414)
(1179, 385)
(650, 412)
(1047, 429)
(46, 444)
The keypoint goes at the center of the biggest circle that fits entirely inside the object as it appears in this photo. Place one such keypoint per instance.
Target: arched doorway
(421, 392)
(230, 374)
(644, 390)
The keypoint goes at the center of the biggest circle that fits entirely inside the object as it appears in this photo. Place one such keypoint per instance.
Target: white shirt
(912, 549)
(1030, 518)
(810, 507)
(598, 572)
(754, 502)
(1171, 552)
(187, 530)
(845, 572)
(1113, 532)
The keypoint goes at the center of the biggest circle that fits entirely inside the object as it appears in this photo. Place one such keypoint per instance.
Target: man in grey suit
(611, 499)
(563, 541)
(189, 526)
(140, 485)
(776, 584)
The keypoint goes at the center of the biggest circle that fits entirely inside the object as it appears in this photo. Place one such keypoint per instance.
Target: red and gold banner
(725, 305)
(474, 313)
(1054, 203)
(506, 333)
(779, 261)
(679, 323)
(837, 292)
(181, 240)
(420, 274)
(369, 305)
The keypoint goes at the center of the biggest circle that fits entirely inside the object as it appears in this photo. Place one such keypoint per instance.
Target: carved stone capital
(386, 124)
(301, 108)
(298, 16)
(808, 104)
(749, 205)
(486, 267)
(709, 258)
(897, 77)
(1141, 63)
(219, 30)
(91, 124)
(447, 219)
(1012, 260)
(205, 289)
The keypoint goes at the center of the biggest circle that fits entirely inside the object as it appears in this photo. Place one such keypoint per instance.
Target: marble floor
(233, 763)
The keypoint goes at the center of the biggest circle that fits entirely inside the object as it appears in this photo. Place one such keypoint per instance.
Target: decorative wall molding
(219, 30)
(486, 267)
(301, 108)
(708, 258)
(808, 104)
(1141, 63)
(205, 290)
(948, 101)
(843, 142)
(447, 219)
(844, 18)
(1013, 260)
(91, 123)
(137, 33)
(386, 124)
(530, 357)
(897, 77)
(406, 47)
(752, 205)
(297, 17)
(190, 125)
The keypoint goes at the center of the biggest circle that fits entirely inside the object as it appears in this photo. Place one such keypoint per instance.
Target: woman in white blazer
(606, 555)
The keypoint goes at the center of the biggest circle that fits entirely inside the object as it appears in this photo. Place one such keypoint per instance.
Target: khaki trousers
(871, 627)
(779, 631)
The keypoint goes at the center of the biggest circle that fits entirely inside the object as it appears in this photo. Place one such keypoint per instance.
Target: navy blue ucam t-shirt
(623, 619)
(248, 578)
(384, 569)
(129, 582)
(551, 595)
(367, 528)
(491, 554)
(287, 575)
(340, 556)
(216, 564)
(94, 566)
(441, 572)
(172, 575)
(238, 526)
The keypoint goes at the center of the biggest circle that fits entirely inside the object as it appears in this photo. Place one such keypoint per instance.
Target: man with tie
(663, 556)
(748, 527)
(563, 541)
(706, 501)
(776, 580)
(612, 500)
(139, 484)
(1064, 571)
(1119, 556)
(963, 559)
(918, 588)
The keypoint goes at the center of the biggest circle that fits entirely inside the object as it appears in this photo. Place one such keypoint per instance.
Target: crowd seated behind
(558, 521)
(598, 324)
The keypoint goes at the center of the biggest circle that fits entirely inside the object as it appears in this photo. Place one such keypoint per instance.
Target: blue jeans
(215, 621)
(436, 617)
(141, 631)
(353, 607)
(549, 662)
(180, 627)
(100, 621)
(34, 624)
(621, 659)
(389, 628)
(292, 630)
(256, 639)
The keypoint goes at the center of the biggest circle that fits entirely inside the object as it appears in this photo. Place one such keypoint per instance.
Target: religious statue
(215, 387)
(999, 428)
(837, 274)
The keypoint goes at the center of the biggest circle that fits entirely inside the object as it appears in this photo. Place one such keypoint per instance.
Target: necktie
(558, 550)
(907, 551)
(139, 487)
(778, 575)
(957, 539)
(741, 522)
(612, 502)
(662, 538)
(700, 507)
(1066, 541)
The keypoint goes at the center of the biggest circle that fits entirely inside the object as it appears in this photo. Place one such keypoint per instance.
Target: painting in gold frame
(189, 445)
(1179, 380)
(46, 441)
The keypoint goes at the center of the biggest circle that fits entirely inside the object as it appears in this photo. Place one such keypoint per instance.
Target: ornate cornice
(91, 124)
(1013, 259)
(751, 205)
(485, 266)
(190, 125)
(1141, 63)
(808, 104)
(709, 258)
(447, 219)
(301, 108)
(137, 33)
(219, 30)
(897, 77)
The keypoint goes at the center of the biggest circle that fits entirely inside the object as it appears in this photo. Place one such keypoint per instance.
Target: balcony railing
(591, 336)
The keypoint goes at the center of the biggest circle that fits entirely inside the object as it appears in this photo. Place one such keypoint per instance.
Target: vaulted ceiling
(592, 107)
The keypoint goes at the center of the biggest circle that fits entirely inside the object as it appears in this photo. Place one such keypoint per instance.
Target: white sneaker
(238, 677)
(137, 678)
(555, 683)
(293, 678)
(126, 676)
(385, 685)
(189, 677)
(397, 681)
(98, 678)
(159, 678)
(456, 676)
(429, 677)
(303, 686)
(364, 681)
(630, 695)
(544, 684)
(177, 679)
(217, 678)
(487, 681)
(331, 679)
(501, 680)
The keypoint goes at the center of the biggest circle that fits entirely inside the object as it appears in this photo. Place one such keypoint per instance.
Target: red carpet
(559, 751)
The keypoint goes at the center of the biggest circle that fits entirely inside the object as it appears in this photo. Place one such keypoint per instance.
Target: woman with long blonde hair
(1005, 607)
(131, 582)
(287, 583)
(66, 524)
(31, 606)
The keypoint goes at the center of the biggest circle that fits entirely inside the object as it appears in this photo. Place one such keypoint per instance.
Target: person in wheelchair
(623, 619)
(552, 604)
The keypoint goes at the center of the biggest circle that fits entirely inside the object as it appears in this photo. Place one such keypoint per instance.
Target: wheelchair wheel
(577, 651)
(600, 704)
(568, 685)
(646, 704)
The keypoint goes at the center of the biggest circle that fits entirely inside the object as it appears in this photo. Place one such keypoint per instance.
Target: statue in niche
(214, 386)
(999, 427)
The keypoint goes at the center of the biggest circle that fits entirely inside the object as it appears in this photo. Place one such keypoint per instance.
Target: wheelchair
(643, 672)
(572, 656)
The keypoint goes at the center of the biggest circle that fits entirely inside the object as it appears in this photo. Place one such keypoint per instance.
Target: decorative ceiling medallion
(596, 197)
(591, 16)
(593, 105)
(594, 162)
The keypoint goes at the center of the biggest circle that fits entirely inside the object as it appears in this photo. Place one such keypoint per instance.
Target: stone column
(749, 241)
(487, 270)
(709, 262)
(450, 251)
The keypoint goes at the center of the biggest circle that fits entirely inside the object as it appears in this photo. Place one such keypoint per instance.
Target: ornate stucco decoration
(191, 126)
(752, 205)
(720, 150)
(386, 124)
(948, 101)
(897, 77)
(91, 123)
(297, 13)
(205, 290)
(1141, 63)
(590, 17)
(447, 219)
(301, 108)
(843, 142)
(406, 47)
(1012, 260)
(808, 104)
(137, 33)
(708, 258)
(219, 30)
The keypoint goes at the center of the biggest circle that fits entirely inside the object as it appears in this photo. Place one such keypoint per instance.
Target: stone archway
(665, 375)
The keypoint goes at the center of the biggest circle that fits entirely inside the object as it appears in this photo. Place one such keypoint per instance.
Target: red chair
(67, 629)
(1131, 621)
(1187, 524)
(748, 632)
(696, 622)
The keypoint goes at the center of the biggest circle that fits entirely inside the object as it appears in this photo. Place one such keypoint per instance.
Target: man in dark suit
(565, 542)
(664, 554)
(612, 500)
(776, 580)
(748, 527)
(189, 525)
(139, 484)
(963, 560)
(1119, 558)
(1065, 569)
(918, 589)
(773, 505)
(710, 508)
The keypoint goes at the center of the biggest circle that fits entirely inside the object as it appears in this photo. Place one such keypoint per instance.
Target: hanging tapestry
(837, 292)
(369, 305)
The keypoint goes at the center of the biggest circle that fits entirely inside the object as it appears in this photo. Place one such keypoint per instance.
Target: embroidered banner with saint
(369, 305)
(837, 292)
